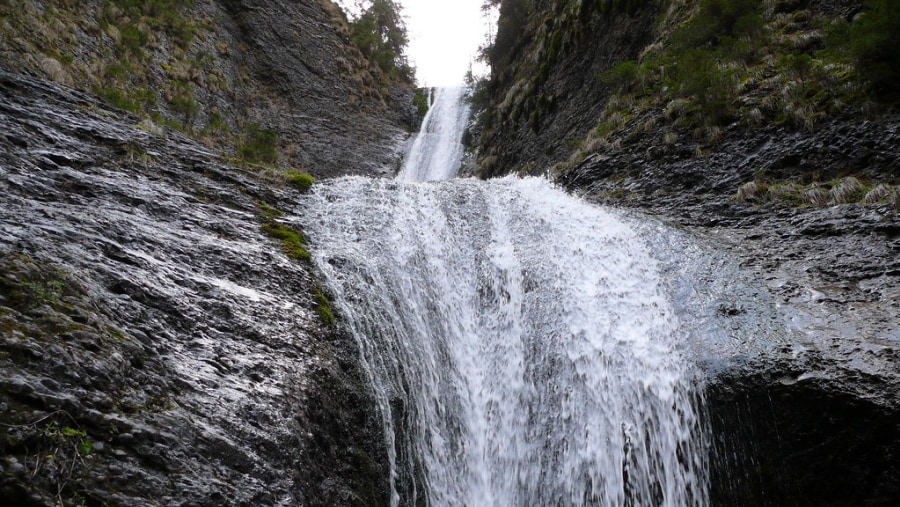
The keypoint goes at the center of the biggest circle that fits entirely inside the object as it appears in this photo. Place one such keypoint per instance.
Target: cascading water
(522, 344)
(436, 151)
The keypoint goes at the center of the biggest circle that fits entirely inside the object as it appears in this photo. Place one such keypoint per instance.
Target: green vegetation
(160, 15)
(714, 63)
(38, 292)
(183, 103)
(846, 190)
(420, 100)
(875, 48)
(34, 288)
(299, 180)
(67, 436)
(292, 241)
(268, 211)
(380, 34)
(258, 145)
(323, 307)
(739, 61)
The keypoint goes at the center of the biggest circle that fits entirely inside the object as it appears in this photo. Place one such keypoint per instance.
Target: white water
(523, 345)
(436, 151)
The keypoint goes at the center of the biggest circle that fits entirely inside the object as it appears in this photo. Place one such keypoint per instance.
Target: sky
(444, 36)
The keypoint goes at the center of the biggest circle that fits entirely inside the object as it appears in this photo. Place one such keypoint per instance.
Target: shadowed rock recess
(158, 348)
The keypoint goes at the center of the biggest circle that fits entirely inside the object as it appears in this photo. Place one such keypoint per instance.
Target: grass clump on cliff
(258, 145)
(293, 243)
(420, 100)
(323, 307)
(299, 180)
(846, 190)
(751, 62)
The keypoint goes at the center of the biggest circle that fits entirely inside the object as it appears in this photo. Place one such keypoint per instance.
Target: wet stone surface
(157, 347)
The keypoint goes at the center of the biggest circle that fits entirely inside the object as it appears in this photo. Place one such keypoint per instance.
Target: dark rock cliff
(157, 345)
(164, 342)
(816, 422)
(222, 70)
(549, 97)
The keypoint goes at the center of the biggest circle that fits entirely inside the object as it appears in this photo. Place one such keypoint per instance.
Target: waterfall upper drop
(437, 150)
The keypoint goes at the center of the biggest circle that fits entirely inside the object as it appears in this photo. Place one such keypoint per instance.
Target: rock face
(158, 348)
(535, 122)
(815, 422)
(221, 70)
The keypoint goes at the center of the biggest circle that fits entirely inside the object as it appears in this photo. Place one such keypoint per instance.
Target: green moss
(268, 211)
(323, 308)
(292, 241)
(300, 180)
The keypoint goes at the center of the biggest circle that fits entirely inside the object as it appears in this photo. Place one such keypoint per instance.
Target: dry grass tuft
(881, 193)
(847, 190)
(750, 192)
(817, 197)
(55, 71)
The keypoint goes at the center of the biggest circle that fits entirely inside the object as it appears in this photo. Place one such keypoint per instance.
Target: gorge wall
(164, 339)
(164, 342)
(774, 146)
(225, 72)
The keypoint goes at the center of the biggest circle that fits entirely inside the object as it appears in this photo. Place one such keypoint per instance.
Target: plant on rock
(259, 145)
(300, 180)
(380, 34)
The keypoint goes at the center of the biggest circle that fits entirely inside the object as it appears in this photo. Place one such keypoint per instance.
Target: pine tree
(380, 34)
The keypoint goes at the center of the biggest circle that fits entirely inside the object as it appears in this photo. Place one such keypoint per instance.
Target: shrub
(420, 100)
(259, 145)
(184, 104)
(698, 76)
(717, 18)
(623, 76)
(117, 98)
(134, 39)
(875, 48)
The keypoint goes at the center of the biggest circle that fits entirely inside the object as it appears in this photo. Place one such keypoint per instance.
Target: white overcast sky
(444, 36)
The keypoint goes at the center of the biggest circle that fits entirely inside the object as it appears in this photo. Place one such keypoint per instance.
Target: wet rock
(153, 339)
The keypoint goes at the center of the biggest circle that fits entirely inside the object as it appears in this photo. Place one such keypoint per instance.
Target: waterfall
(526, 348)
(436, 151)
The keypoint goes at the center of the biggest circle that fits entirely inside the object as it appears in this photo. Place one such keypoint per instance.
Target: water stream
(436, 151)
(526, 348)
